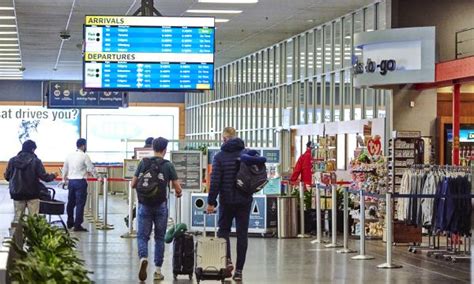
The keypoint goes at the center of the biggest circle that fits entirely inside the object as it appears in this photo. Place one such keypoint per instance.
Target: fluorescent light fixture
(199, 11)
(222, 20)
(8, 39)
(8, 33)
(7, 26)
(9, 54)
(229, 1)
(11, 58)
(7, 8)
(10, 67)
(7, 17)
(11, 78)
(8, 44)
(10, 63)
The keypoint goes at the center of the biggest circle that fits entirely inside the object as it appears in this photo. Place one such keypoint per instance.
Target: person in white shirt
(76, 169)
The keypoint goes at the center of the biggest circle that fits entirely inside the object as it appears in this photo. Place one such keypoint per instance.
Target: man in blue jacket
(233, 204)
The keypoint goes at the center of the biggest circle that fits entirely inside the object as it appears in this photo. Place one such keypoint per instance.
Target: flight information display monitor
(149, 53)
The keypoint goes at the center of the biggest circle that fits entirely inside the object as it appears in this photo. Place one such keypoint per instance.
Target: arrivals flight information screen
(148, 53)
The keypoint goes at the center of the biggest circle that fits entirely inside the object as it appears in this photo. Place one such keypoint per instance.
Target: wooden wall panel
(445, 104)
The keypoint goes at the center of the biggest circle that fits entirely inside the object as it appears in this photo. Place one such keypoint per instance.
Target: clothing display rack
(438, 199)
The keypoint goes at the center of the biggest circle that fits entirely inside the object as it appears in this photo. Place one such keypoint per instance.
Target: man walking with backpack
(151, 181)
(24, 172)
(233, 204)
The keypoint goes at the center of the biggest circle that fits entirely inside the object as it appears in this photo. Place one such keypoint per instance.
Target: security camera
(22, 68)
(65, 35)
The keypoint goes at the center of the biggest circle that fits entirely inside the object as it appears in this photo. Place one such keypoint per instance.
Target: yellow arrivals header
(105, 21)
(198, 22)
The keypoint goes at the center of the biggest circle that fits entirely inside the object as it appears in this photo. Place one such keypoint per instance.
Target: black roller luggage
(183, 256)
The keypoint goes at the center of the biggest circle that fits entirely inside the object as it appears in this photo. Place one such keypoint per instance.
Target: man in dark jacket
(24, 172)
(233, 204)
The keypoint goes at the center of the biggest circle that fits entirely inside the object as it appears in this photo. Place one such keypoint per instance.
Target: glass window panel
(319, 100)
(337, 96)
(264, 71)
(341, 152)
(357, 104)
(319, 51)
(337, 45)
(381, 110)
(277, 64)
(302, 55)
(310, 61)
(347, 32)
(358, 24)
(289, 60)
(249, 74)
(302, 96)
(327, 48)
(327, 98)
(309, 96)
(347, 95)
(369, 18)
(254, 71)
(369, 103)
(381, 15)
(271, 66)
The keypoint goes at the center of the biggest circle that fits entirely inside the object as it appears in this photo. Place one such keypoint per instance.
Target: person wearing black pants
(76, 169)
(233, 204)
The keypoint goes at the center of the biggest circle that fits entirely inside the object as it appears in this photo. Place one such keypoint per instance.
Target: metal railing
(464, 43)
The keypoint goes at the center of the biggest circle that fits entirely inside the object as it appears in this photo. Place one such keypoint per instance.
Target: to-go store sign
(395, 56)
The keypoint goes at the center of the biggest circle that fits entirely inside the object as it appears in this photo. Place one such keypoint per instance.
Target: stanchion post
(105, 226)
(302, 234)
(333, 243)
(131, 200)
(88, 211)
(318, 239)
(389, 237)
(95, 203)
(362, 255)
(345, 248)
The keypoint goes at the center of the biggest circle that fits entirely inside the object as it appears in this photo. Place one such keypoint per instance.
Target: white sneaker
(158, 276)
(142, 272)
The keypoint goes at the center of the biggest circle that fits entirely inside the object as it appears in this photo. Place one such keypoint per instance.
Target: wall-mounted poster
(54, 131)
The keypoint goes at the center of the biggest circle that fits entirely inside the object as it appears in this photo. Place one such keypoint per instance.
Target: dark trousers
(76, 200)
(241, 214)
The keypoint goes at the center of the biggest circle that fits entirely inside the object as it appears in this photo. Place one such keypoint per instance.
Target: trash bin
(287, 217)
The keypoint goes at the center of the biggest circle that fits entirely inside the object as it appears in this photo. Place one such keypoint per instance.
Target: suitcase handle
(204, 233)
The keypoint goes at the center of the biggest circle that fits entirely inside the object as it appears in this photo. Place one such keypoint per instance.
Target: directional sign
(72, 95)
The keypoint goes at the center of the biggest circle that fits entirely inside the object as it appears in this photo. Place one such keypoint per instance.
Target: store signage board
(72, 95)
(141, 153)
(406, 134)
(395, 56)
(149, 53)
(189, 169)
(129, 168)
(273, 155)
(465, 135)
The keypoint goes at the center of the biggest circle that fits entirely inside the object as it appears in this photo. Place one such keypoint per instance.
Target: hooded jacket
(24, 173)
(304, 167)
(224, 172)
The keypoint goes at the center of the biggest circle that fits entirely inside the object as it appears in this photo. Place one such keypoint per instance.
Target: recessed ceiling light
(229, 1)
(196, 11)
(7, 17)
(222, 20)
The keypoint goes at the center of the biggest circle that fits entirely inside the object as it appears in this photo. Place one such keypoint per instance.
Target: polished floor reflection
(114, 260)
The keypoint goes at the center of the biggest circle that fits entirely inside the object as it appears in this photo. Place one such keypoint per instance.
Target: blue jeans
(77, 199)
(147, 216)
(241, 214)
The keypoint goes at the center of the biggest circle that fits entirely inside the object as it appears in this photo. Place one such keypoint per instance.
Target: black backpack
(152, 185)
(251, 178)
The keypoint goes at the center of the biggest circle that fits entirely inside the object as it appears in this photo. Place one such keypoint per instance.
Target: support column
(456, 123)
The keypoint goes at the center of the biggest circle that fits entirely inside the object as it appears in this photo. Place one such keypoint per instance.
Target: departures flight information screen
(148, 53)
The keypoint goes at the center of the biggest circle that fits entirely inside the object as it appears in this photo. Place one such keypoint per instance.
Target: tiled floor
(114, 260)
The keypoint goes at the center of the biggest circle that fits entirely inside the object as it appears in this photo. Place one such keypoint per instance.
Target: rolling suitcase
(211, 256)
(183, 256)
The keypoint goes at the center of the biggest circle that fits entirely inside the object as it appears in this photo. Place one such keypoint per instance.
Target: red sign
(374, 147)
